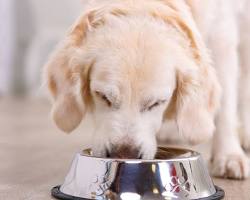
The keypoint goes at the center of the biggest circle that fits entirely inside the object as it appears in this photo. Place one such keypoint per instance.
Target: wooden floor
(35, 156)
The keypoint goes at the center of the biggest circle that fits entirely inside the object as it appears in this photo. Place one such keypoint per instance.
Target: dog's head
(132, 73)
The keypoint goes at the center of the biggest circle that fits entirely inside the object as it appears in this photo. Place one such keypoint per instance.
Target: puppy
(138, 65)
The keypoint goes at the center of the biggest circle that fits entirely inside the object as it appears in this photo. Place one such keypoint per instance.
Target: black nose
(124, 152)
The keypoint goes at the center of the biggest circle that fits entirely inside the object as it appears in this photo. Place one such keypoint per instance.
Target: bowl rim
(194, 156)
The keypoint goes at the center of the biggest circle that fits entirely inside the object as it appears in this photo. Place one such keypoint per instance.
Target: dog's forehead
(150, 76)
(132, 55)
(128, 65)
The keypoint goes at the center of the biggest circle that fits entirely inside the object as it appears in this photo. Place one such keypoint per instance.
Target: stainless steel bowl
(174, 174)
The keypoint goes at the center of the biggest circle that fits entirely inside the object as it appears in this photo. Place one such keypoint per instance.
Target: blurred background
(29, 29)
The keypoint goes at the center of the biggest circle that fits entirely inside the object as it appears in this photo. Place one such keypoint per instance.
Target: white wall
(7, 46)
(29, 30)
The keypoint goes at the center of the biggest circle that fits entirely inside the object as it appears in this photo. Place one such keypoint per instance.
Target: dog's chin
(149, 154)
(100, 153)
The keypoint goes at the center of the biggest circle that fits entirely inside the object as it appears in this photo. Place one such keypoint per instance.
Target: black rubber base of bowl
(55, 192)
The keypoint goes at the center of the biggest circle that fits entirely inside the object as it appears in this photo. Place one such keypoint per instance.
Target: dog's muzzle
(124, 152)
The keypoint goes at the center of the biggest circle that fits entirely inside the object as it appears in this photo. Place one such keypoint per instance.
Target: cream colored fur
(139, 66)
(225, 26)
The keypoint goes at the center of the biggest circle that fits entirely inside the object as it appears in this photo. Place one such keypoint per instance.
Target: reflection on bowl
(173, 174)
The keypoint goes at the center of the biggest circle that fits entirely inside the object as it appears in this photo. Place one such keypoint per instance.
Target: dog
(139, 65)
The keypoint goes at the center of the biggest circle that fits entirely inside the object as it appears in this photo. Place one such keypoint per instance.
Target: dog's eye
(152, 106)
(104, 98)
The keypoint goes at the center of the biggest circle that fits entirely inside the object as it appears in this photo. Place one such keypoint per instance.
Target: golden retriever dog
(140, 65)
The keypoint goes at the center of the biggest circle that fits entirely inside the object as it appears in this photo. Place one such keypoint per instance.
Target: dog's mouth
(161, 154)
(108, 155)
(124, 152)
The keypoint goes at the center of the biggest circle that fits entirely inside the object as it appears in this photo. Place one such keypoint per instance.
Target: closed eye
(152, 106)
(104, 98)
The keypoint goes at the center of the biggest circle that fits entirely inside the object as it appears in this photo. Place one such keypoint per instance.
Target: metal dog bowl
(174, 174)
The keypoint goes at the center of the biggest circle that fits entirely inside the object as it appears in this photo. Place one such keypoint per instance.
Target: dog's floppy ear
(197, 100)
(197, 96)
(198, 92)
(66, 75)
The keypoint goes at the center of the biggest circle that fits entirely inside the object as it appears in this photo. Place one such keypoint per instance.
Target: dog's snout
(124, 152)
